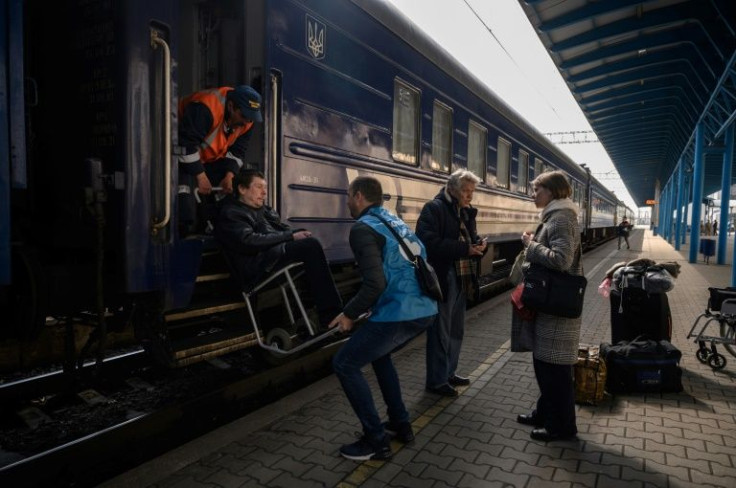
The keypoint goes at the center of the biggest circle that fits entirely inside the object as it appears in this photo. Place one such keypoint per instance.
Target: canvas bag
(590, 375)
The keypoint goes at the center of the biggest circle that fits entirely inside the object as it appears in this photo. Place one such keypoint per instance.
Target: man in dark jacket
(447, 228)
(257, 242)
(399, 312)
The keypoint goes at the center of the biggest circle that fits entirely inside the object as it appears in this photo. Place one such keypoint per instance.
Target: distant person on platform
(623, 233)
(715, 227)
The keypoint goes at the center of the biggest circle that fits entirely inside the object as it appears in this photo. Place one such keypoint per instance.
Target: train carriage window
(523, 172)
(538, 167)
(477, 144)
(406, 123)
(441, 137)
(503, 162)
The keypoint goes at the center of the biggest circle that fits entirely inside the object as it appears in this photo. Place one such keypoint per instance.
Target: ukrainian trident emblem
(316, 34)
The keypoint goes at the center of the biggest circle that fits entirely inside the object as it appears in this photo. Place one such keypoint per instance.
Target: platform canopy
(645, 73)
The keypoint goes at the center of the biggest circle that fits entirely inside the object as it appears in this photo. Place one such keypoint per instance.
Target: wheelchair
(277, 340)
(719, 318)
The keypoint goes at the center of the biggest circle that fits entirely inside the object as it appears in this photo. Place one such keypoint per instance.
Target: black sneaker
(364, 449)
(402, 431)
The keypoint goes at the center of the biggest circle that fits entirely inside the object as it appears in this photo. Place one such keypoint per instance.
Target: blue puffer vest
(402, 299)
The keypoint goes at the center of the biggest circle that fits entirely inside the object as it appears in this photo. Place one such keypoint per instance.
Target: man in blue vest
(399, 311)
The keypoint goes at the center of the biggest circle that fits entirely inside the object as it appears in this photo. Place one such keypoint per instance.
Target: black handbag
(426, 276)
(553, 292)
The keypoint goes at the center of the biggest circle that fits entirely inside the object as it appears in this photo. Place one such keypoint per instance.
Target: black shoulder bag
(554, 292)
(426, 275)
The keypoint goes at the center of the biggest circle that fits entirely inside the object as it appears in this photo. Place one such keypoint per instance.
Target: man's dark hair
(245, 177)
(369, 187)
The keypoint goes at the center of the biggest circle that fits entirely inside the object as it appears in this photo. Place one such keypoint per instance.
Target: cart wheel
(717, 361)
(280, 338)
(703, 354)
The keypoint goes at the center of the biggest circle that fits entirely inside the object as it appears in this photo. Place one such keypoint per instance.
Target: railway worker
(399, 312)
(623, 232)
(215, 126)
(554, 340)
(447, 228)
(256, 242)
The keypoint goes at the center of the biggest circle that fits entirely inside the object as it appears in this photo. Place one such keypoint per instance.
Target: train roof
(393, 19)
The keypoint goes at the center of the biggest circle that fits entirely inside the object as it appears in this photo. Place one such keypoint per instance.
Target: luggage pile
(640, 357)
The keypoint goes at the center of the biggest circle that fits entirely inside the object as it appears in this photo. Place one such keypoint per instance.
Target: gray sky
(507, 55)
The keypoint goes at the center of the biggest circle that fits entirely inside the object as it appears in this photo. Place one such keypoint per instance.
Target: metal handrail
(156, 41)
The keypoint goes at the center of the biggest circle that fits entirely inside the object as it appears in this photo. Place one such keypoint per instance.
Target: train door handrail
(156, 41)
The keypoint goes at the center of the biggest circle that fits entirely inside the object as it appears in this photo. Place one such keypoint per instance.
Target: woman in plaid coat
(555, 340)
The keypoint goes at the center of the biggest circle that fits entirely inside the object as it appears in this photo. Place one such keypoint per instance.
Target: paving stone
(682, 474)
(470, 481)
(657, 479)
(495, 462)
(708, 456)
(225, 479)
(573, 477)
(478, 471)
(613, 440)
(701, 479)
(536, 472)
(612, 470)
(513, 479)
(622, 460)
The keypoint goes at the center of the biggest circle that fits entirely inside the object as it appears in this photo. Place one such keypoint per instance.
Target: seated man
(257, 242)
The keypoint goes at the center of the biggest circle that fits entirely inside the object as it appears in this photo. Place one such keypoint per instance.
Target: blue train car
(350, 87)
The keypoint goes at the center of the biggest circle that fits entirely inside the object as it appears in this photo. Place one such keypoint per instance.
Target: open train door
(12, 126)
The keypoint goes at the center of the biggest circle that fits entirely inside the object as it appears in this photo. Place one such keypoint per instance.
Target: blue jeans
(373, 343)
(445, 335)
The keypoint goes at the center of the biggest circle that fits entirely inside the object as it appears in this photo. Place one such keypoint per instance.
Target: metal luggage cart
(720, 313)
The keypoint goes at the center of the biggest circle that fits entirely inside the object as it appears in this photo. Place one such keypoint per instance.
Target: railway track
(151, 417)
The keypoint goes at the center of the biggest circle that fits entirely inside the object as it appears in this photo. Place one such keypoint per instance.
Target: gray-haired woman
(555, 340)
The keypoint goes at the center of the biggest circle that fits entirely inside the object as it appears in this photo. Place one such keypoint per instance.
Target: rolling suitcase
(635, 312)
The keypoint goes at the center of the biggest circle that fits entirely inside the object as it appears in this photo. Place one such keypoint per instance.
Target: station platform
(636, 440)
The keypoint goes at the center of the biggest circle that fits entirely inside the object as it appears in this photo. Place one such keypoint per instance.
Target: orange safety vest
(216, 144)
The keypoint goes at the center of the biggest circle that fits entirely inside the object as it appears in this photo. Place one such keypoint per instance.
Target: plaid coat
(555, 339)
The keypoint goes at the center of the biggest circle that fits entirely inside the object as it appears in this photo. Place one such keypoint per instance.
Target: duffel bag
(642, 366)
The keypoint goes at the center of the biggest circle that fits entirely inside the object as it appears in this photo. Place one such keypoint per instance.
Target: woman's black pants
(556, 404)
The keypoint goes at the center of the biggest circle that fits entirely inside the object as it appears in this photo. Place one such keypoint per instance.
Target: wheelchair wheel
(703, 354)
(717, 361)
(728, 332)
(280, 338)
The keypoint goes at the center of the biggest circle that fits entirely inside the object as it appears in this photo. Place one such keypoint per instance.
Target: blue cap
(248, 100)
